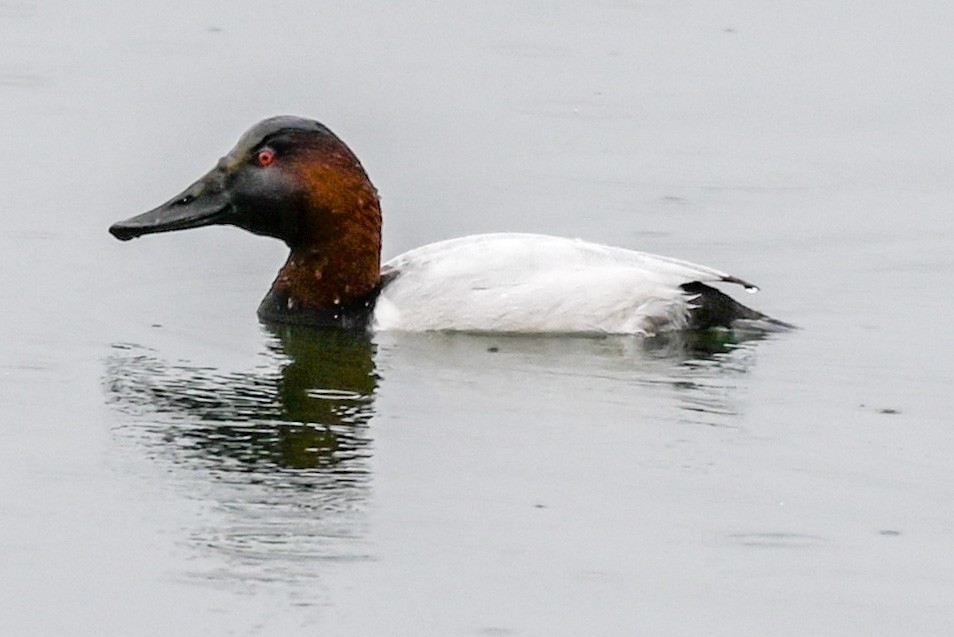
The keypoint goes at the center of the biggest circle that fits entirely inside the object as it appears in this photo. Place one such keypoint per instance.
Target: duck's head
(290, 178)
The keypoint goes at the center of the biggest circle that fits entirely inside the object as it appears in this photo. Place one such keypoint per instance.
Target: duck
(293, 179)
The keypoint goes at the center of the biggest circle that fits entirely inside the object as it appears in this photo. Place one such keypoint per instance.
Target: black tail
(712, 308)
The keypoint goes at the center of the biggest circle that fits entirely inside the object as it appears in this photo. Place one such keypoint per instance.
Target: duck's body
(293, 179)
(533, 283)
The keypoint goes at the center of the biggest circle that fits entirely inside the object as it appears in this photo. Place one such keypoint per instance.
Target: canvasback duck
(293, 179)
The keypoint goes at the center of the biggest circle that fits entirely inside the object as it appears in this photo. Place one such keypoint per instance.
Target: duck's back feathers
(535, 283)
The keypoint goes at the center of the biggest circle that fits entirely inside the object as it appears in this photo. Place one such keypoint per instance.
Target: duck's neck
(331, 276)
(335, 260)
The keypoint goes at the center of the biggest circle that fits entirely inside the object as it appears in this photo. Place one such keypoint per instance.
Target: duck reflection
(306, 407)
(276, 454)
(708, 366)
(700, 345)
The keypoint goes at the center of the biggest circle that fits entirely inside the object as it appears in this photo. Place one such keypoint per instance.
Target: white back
(536, 283)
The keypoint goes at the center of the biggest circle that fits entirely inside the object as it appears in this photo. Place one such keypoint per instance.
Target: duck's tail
(713, 308)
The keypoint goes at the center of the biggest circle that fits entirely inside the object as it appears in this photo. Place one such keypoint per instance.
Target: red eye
(265, 156)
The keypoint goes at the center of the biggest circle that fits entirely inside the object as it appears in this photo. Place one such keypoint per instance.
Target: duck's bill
(188, 210)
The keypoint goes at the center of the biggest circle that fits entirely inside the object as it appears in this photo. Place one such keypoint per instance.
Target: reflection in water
(281, 449)
(696, 379)
(309, 414)
(708, 361)
(278, 455)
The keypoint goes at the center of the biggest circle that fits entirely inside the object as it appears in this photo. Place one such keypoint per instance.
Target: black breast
(278, 307)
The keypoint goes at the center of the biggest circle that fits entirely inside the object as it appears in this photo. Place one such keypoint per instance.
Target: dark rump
(712, 308)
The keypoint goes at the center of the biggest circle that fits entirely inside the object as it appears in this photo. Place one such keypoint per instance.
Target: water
(170, 465)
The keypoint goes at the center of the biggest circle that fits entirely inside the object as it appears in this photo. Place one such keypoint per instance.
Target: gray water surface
(170, 466)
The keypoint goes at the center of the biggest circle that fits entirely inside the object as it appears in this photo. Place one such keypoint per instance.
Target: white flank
(528, 283)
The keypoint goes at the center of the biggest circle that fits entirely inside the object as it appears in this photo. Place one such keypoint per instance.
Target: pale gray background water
(169, 466)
